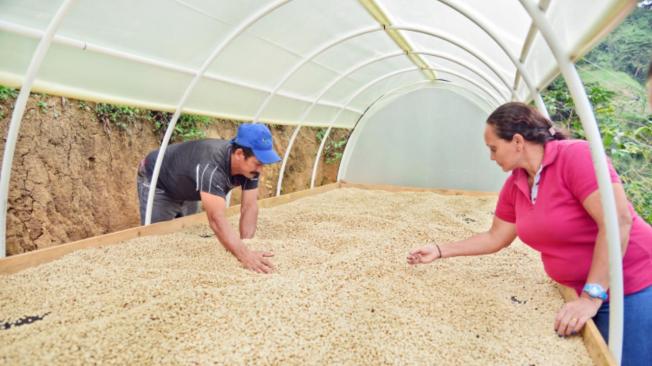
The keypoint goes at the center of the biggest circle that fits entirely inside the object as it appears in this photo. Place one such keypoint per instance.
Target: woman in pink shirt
(551, 202)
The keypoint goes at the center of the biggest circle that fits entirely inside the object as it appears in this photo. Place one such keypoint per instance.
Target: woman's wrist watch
(595, 291)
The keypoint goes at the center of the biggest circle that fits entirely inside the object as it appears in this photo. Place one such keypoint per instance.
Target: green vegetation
(188, 127)
(613, 74)
(334, 148)
(7, 93)
(117, 115)
(83, 106)
(628, 48)
(627, 138)
(42, 106)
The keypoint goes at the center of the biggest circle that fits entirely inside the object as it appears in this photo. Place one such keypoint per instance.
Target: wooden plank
(595, 344)
(22, 261)
(392, 188)
(289, 197)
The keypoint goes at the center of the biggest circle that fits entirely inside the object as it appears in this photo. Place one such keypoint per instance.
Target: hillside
(613, 74)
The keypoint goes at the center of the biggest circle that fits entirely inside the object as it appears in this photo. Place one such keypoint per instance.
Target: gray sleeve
(211, 179)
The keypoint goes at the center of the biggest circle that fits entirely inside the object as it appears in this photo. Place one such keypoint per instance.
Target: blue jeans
(637, 329)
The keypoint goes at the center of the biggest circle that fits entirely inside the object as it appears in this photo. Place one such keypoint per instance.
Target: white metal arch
(309, 58)
(466, 66)
(351, 98)
(590, 126)
(363, 88)
(351, 143)
(482, 58)
(482, 24)
(355, 34)
(461, 44)
(17, 116)
(347, 73)
(168, 133)
(91, 47)
(324, 90)
(468, 79)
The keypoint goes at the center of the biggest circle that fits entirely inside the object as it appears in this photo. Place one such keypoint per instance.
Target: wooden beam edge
(18, 262)
(593, 341)
(393, 188)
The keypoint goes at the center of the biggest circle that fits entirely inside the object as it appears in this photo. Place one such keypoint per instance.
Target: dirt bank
(73, 176)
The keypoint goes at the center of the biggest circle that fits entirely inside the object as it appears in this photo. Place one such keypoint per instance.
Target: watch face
(595, 291)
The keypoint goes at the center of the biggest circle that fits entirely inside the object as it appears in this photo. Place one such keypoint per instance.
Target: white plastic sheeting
(145, 52)
(452, 155)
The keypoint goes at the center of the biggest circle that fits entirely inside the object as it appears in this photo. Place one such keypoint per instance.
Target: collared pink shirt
(558, 226)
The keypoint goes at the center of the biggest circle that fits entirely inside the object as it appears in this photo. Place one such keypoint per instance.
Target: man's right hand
(257, 261)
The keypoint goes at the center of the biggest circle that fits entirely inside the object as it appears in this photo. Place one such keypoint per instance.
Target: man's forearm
(226, 236)
(248, 220)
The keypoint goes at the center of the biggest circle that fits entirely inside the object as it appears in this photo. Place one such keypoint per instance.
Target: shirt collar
(550, 153)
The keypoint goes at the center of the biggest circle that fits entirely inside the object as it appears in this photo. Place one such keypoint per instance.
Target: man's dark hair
(247, 151)
(649, 71)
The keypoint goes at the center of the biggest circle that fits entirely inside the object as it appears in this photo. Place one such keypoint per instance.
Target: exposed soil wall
(73, 176)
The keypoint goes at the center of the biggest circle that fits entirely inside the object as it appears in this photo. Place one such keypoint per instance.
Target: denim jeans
(637, 328)
(165, 208)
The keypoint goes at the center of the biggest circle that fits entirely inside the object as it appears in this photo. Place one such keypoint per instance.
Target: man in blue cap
(206, 170)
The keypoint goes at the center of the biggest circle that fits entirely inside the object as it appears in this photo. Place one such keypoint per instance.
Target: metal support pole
(353, 138)
(168, 133)
(482, 24)
(356, 34)
(91, 47)
(441, 70)
(315, 165)
(281, 172)
(470, 68)
(585, 112)
(541, 106)
(17, 117)
(359, 33)
(351, 98)
(309, 58)
(357, 67)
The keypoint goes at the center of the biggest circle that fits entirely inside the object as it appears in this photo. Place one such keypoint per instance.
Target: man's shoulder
(209, 142)
(209, 145)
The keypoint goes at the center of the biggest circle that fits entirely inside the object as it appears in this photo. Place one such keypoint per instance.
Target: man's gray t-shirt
(197, 166)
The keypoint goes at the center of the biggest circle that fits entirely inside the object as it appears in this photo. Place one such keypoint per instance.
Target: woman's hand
(574, 314)
(424, 255)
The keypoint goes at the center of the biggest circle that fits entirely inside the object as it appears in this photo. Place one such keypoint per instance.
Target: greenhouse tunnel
(420, 126)
(414, 81)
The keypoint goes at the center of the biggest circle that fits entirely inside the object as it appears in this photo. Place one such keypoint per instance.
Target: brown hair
(515, 117)
(649, 71)
(245, 150)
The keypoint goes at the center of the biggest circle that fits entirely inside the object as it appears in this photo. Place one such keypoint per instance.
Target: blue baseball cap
(257, 137)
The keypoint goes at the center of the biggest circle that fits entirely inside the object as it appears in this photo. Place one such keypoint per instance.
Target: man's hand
(574, 314)
(215, 207)
(257, 261)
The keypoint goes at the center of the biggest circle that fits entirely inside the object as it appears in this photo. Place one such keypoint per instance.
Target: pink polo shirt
(558, 226)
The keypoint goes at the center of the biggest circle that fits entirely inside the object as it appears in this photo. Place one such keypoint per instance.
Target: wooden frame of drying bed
(595, 344)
